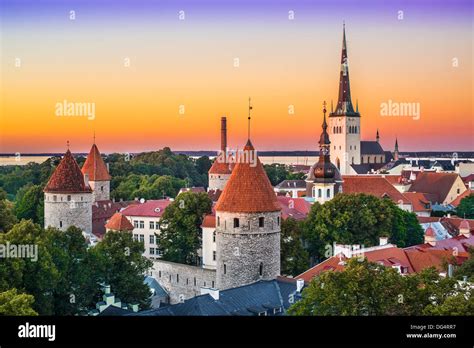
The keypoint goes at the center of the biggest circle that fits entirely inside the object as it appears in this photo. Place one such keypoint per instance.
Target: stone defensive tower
(68, 198)
(96, 172)
(248, 219)
(220, 171)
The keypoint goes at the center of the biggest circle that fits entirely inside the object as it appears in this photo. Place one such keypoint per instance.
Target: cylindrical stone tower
(98, 175)
(248, 219)
(68, 198)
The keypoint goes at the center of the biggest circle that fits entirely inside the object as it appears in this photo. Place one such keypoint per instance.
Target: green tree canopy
(466, 207)
(30, 204)
(358, 219)
(366, 288)
(180, 235)
(7, 218)
(14, 303)
(294, 258)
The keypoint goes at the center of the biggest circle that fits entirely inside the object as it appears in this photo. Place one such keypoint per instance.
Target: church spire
(344, 105)
(377, 137)
(395, 151)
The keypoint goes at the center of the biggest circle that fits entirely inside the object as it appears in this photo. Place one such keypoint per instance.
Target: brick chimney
(223, 134)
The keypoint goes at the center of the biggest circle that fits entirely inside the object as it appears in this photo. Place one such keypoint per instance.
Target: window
(102, 188)
(194, 281)
(328, 193)
(187, 281)
(157, 225)
(236, 223)
(319, 193)
(152, 251)
(278, 221)
(60, 224)
(458, 191)
(159, 274)
(260, 269)
(225, 268)
(55, 198)
(214, 236)
(142, 238)
(158, 252)
(152, 239)
(152, 225)
(170, 278)
(261, 222)
(218, 221)
(135, 224)
(204, 284)
(142, 224)
(135, 237)
(177, 278)
(213, 256)
(212, 284)
(68, 198)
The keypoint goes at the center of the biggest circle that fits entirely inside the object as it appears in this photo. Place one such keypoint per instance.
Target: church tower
(323, 175)
(344, 122)
(68, 197)
(395, 151)
(220, 171)
(248, 219)
(96, 172)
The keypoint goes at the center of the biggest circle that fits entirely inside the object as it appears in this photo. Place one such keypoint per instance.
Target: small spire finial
(250, 108)
(94, 138)
(67, 144)
(324, 112)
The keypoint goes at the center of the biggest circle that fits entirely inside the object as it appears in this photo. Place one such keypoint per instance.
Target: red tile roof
(95, 167)
(219, 167)
(427, 219)
(468, 178)
(151, 208)
(248, 189)
(214, 194)
(119, 222)
(192, 189)
(67, 178)
(296, 208)
(373, 185)
(418, 201)
(459, 198)
(209, 221)
(421, 259)
(438, 184)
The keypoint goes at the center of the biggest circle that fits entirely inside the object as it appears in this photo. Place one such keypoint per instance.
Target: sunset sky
(190, 63)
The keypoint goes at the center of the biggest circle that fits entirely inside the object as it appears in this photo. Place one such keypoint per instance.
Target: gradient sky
(282, 62)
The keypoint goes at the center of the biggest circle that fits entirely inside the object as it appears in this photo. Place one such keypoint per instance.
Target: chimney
(86, 179)
(299, 285)
(450, 270)
(465, 229)
(107, 289)
(383, 240)
(223, 134)
(211, 291)
(134, 307)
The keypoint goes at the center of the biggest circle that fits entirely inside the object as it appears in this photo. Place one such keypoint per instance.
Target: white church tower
(344, 122)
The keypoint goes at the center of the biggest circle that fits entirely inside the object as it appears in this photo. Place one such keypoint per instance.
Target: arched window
(319, 193)
(260, 269)
(328, 193)
(236, 223)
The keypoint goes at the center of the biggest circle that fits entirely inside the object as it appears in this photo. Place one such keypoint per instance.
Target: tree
(7, 218)
(179, 238)
(14, 303)
(366, 288)
(119, 263)
(203, 164)
(467, 268)
(357, 219)
(466, 207)
(294, 258)
(30, 203)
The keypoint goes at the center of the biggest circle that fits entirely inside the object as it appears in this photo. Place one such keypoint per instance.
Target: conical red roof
(95, 167)
(118, 222)
(219, 167)
(67, 178)
(248, 189)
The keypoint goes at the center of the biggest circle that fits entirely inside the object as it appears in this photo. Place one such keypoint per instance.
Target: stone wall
(247, 253)
(65, 210)
(182, 281)
(218, 181)
(98, 193)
